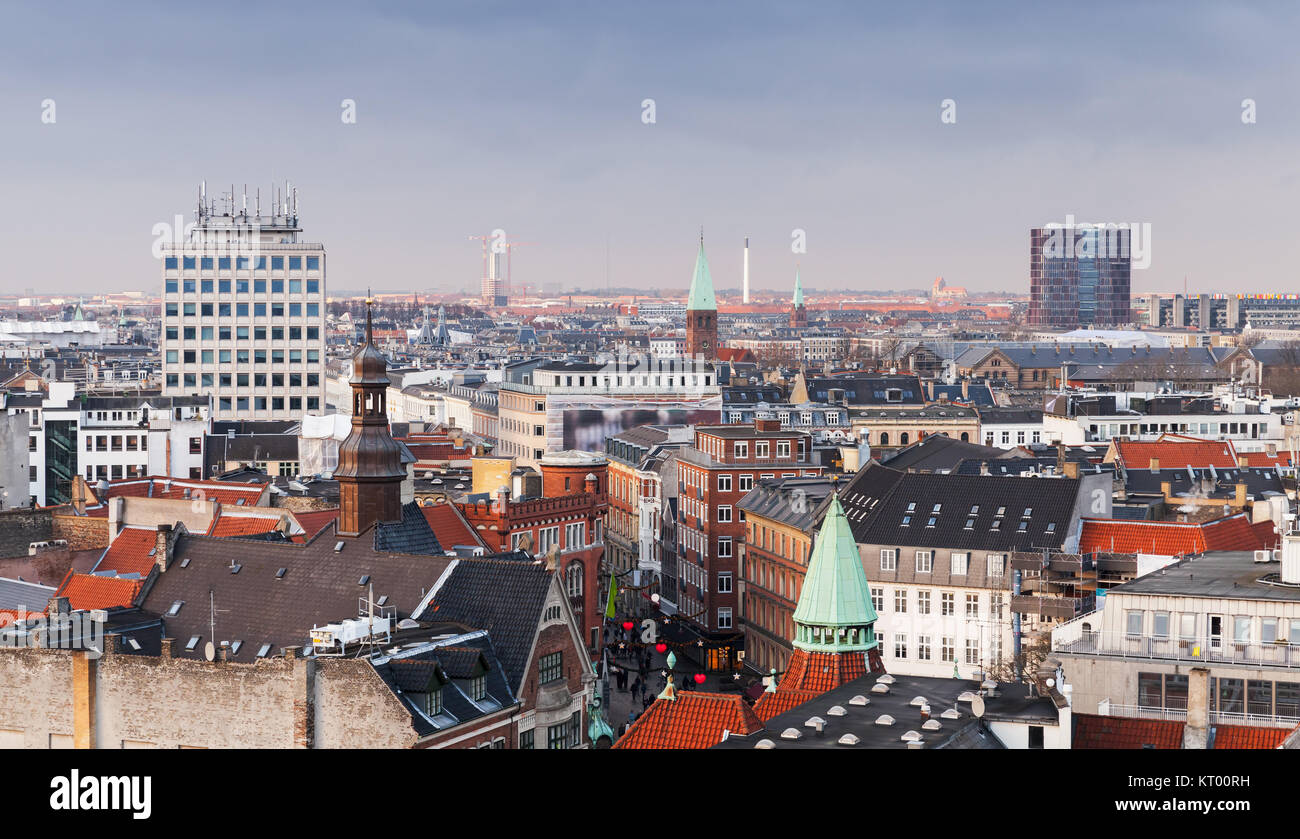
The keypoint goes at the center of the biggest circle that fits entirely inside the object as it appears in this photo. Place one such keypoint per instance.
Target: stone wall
(83, 533)
(21, 526)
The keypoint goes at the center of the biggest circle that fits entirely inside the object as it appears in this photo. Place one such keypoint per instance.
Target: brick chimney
(1071, 469)
(1155, 464)
(767, 425)
(1239, 500)
(1196, 733)
(162, 546)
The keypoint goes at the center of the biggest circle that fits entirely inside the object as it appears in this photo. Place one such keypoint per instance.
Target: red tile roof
(820, 672)
(1248, 737)
(89, 591)
(691, 721)
(450, 526)
(1176, 453)
(316, 521)
(1170, 538)
(226, 526)
(227, 492)
(1100, 732)
(776, 703)
(1281, 458)
(1267, 535)
(129, 552)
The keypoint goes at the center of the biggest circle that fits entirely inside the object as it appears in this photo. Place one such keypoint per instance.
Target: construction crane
(510, 249)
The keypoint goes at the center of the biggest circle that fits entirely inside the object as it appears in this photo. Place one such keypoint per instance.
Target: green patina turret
(835, 614)
(701, 298)
(798, 289)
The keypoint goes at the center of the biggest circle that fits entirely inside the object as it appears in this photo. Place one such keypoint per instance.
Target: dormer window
(1002, 511)
(1029, 511)
(433, 702)
(478, 688)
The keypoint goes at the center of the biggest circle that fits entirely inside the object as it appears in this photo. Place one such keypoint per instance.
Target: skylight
(175, 608)
(194, 642)
(263, 650)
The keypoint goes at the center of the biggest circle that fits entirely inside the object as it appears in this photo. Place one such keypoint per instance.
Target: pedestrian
(631, 718)
(636, 686)
(643, 690)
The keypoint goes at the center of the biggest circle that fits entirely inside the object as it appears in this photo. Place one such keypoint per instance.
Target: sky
(769, 118)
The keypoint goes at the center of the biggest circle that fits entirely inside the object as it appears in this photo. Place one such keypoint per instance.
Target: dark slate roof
(868, 390)
(938, 452)
(16, 594)
(319, 586)
(1010, 466)
(792, 501)
(505, 596)
(978, 393)
(880, 521)
(411, 535)
(751, 394)
(1216, 483)
(1012, 704)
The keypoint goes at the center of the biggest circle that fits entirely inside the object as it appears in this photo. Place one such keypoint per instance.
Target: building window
(1133, 622)
(947, 604)
(972, 651)
(526, 739)
(948, 651)
(547, 537)
(878, 599)
(923, 602)
(888, 559)
(724, 546)
(557, 736)
(996, 565)
(724, 513)
(551, 667)
(724, 583)
(724, 483)
(746, 483)
(960, 564)
(900, 646)
(433, 702)
(900, 600)
(924, 561)
(923, 647)
(724, 618)
(478, 688)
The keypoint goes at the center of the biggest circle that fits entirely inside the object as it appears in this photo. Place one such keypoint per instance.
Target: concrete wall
(15, 488)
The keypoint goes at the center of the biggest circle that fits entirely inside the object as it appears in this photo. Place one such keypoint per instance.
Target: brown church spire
(370, 471)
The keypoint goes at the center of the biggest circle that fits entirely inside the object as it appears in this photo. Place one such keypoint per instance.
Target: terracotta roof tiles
(1100, 732)
(691, 721)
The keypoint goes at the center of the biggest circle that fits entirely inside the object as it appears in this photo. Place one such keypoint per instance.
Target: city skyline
(777, 121)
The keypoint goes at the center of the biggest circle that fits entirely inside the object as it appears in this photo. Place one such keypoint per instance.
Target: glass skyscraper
(1079, 276)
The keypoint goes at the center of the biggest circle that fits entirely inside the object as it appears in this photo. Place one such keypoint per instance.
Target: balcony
(1064, 608)
(1200, 649)
(1216, 717)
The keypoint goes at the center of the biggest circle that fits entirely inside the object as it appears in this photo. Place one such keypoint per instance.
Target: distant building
(1079, 276)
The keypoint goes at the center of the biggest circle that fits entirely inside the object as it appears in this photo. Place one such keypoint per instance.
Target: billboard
(586, 429)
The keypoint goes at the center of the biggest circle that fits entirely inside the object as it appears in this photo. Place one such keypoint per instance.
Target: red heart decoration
(699, 678)
(661, 648)
(628, 625)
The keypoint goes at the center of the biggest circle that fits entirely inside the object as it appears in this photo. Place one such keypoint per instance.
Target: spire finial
(701, 235)
(369, 330)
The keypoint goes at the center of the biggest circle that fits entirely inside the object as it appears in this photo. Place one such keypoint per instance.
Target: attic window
(153, 552)
(234, 568)
(280, 572)
(1024, 525)
(974, 509)
(185, 563)
(907, 520)
(382, 600)
(997, 525)
(970, 524)
(194, 642)
(931, 522)
(911, 508)
(135, 645)
(239, 502)
(1029, 511)
(175, 608)
(1051, 527)
(1002, 511)
(263, 650)
(234, 647)
(364, 580)
(937, 508)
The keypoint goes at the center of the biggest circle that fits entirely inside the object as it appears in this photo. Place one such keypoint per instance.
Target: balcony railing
(1200, 649)
(1147, 712)
(1052, 607)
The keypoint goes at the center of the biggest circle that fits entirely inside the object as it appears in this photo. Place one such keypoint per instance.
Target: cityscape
(263, 497)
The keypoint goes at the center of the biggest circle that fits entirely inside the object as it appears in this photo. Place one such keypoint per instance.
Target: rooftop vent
(791, 734)
(836, 711)
(849, 739)
(859, 700)
(765, 744)
(884, 719)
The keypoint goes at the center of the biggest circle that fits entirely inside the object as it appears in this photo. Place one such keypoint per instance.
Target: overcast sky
(769, 117)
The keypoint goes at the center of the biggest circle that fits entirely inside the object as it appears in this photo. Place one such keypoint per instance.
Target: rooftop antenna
(259, 202)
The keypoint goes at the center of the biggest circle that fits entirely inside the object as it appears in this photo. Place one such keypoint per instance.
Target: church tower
(370, 471)
(798, 314)
(834, 623)
(702, 312)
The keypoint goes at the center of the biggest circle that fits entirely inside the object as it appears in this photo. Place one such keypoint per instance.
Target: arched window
(965, 438)
(902, 439)
(884, 438)
(573, 579)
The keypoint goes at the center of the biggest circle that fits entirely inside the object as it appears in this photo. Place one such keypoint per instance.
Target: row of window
(924, 649)
(263, 403)
(947, 602)
(1227, 696)
(275, 309)
(240, 263)
(117, 443)
(1244, 628)
(996, 564)
(242, 333)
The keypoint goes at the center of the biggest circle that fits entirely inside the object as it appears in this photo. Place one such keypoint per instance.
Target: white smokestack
(745, 284)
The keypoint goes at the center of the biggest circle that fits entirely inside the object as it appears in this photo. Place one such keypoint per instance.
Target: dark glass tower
(1079, 276)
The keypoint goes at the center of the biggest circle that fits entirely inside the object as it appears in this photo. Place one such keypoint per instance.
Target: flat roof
(1231, 575)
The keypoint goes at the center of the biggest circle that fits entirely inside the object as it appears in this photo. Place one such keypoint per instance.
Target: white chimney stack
(745, 283)
(1291, 555)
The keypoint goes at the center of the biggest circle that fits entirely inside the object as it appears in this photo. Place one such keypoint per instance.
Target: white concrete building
(244, 312)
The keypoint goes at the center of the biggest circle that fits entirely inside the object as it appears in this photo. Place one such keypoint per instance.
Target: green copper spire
(701, 299)
(798, 289)
(835, 612)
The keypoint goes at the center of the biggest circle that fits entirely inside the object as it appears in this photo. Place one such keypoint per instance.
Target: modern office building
(244, 311)
(1079, 276)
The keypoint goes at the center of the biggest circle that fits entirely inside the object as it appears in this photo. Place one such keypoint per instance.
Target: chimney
(1239, 500)
(1196, 733)
(1243, 462)
(1155, 464)
(161, 545)
(1071, 469)
(965, 389)
(1166, 489)
(223, 652)
(165, 651)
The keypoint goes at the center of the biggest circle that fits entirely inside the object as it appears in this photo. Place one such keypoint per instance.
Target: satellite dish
(977, 706)
(209, 651)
